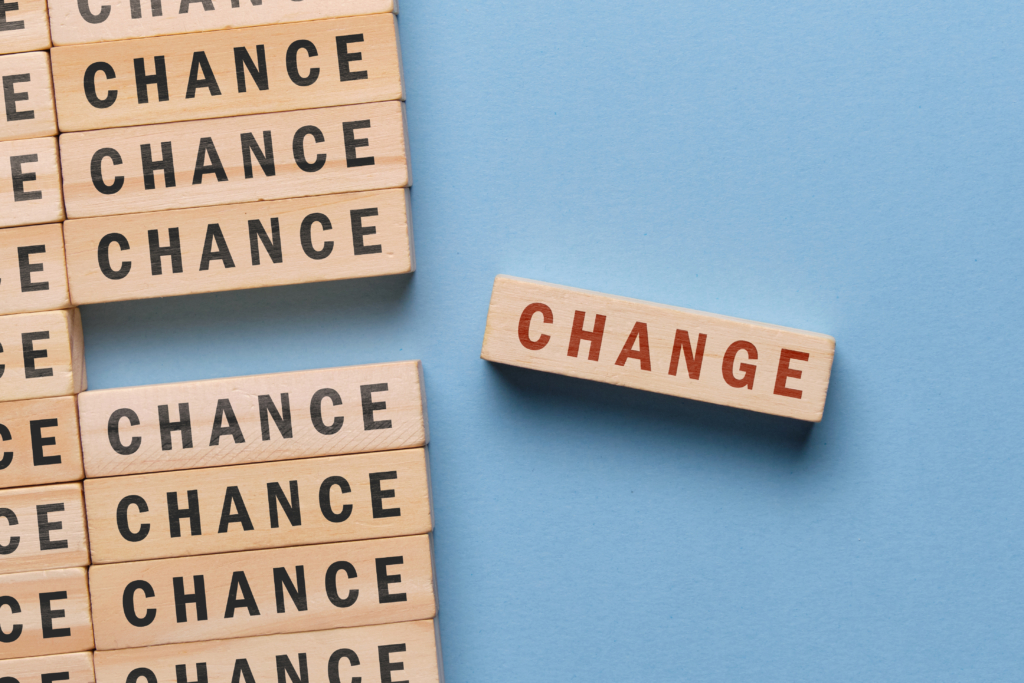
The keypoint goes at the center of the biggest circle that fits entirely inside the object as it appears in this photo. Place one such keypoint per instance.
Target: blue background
(849, 167)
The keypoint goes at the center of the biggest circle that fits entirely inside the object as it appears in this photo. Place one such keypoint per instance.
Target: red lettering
(694, 361)
(643, 354)
(593, 337)
(524, 326)
(785, 372)
(748, 370)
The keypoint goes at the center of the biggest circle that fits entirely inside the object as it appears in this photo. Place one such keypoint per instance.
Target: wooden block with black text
(27, 94)
(30, 186)
(39, 442)
(45, 528)
(93, 21)
(262, 592)
(239, 246)
(33, 275)
(41, 355)
(24, 26)
(654, 347)
(385, 653)
(228, 73)
(238, 159)
(259, 418)
(44, 613)
(70, 668)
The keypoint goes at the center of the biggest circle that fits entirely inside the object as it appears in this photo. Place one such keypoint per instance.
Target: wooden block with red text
(30, 185)
(249, 507)
(262, 592)
(70, 668)
(252, 419)
(654, 347)
(33, 276)
(45, 528)
(239, 159)
(92, 21)
(44, 613)
(27, 96)
(39, 442)
(405, 651)
(239, 246)
(24, 26)
(41, 355)
(228, 73)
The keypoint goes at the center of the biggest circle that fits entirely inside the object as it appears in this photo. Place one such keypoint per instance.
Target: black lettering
(316, 412)
(284, 667)
(184, 425)
(15, 633)
(46, 526)
(345, 58)
(11, 98)
(222, 254)
(352, 143)
(283, 582)
(175, 515)
(155, 6)
(207, 148)
(166, 164)
(128, 607)
(331, 584)
(96, 170)
(90, 18)
(19, 178)
(181, 600)
(207, 5)
(89, 81)
(383, 579)
(181, 673)
(53, 677)
(141, 672)
(30, 354)
(359, 231)
(291, 509)
(369, 407)
(15, 541)
(26, 268)
(233, 498)
(103, 256)
(208, 81)
(113, 431)
(377, 495)
(272, 243)
(243, 63)
(6, 25)
(251, 148)
(292, 63)
(157, 253)
(282, 419)
(333, 675)
(122, 518)
(144, 80)
(225, 412)
(35, 428)
(384, 653)
(306, 237)
(47, 614)
(325, 499)
(299, 149)
(240, 583)
(242, 672)
(8, 456)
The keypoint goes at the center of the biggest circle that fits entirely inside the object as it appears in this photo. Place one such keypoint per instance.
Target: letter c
(99, 18)
(8, 601)
(524, 326)
(8, 456)
(128, 603)
(113, 433)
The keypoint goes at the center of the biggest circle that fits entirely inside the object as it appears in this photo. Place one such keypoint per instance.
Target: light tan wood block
(259, 418)
(654, 347)
(33, 276)
(39, 442)
(373, 654)
(42, 527)
(250, 507)
(203, 163)
(260, 592)
(26, 93)
(44, 613)
(240, 246)
(75, 21)
(23, 26)
(41, 355)
(30, 184)
(70, 668)
(228, 73)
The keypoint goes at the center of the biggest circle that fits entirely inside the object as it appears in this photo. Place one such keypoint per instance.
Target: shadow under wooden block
(263, 592)
(46, 613)
(45, 528)
(27, 97)
(259, 418)
(30, 182)
(660, 348)
(33, 274)
(24, 26)
(70, 668)
(41, 355)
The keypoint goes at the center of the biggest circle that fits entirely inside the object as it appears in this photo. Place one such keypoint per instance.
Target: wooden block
(39, 442)
(666, 349)
(24, 26)
(27, 94)
(33, 276)
(224, 161)
(41, 355)
(239, 246)
(44, 613)
(45, 528)
(30, 188)
(249, 507)
(92, 21)
(228, 73)
(262, 592)
(259, 418)
(371, 654)
(70, 668)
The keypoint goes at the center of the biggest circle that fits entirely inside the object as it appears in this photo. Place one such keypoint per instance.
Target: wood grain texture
(345, 584)
(250, 507)
(30, 183)
(33, 276)
(41, 355)
(71, 24)
(654, 347)
(45, 528)
(39, 442)
(241, 246)
(24, 26)
(77, 666)
(335, 411)
(27, 99)
(209, 160)
(44, 613)
(291, 66)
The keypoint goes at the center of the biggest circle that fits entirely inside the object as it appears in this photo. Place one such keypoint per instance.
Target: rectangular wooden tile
(262, 592)
(33, 276)
(30, 185)
(45, 528)
(259, 418)
(250, 507)
(24, 26)
(70, 668)
(27, 94)
(41, 355)
(239, 246)
(44, 613)
(233, 160)
(92, 21)
(654, 347)
(39, 442)
(372, 654)
(228, 73)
